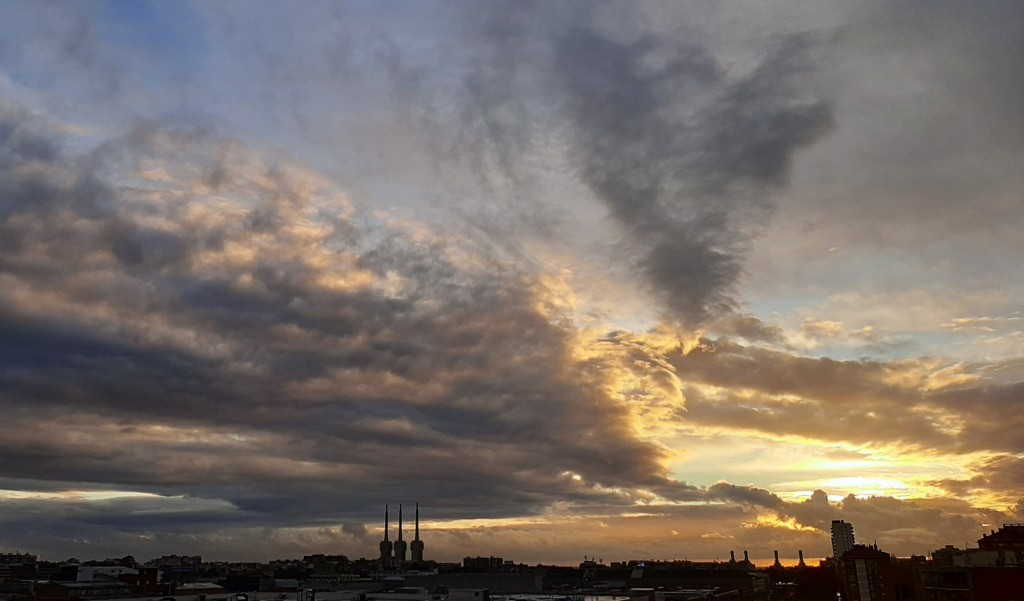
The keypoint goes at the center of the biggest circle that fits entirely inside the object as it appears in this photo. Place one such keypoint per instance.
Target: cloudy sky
(625, 280)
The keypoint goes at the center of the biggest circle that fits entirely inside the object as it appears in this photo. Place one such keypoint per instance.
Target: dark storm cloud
(992, 416)
(162, 337)
(34, 179)
(679, 150)
(686, 152)
(749, 328)
(745, 495)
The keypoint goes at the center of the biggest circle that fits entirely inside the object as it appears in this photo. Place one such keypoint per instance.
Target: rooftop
(1008, 534)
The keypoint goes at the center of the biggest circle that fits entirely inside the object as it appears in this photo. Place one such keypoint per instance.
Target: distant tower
(386, 548)
(801, 564)
(842, 538)
(417, 545)
(777, 563)
(400, 545)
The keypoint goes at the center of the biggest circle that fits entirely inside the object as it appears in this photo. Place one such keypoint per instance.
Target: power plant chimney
(386, 548)
(777, 564)
(417, 544)
(400, 545)
(802, 564)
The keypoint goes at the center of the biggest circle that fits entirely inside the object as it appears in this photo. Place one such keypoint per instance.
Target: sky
(621, 280)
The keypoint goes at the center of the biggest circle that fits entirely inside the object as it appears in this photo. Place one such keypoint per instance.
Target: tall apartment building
(842, 538)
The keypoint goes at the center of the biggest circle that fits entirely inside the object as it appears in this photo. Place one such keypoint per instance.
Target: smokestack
(417, 544)
(400, 544)
(732, 557)
(386, 547)
(777, 564)
(746, 558)
(801, 552)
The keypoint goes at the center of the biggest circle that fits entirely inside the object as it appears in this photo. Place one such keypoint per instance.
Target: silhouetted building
(668, 582)
(175, 560)
(976, 583)
(1008, 538)
(18, 566)
(146, 581)
(842, 538)
(807, 583)
(483, 564)
(992, 572)
(864, 573)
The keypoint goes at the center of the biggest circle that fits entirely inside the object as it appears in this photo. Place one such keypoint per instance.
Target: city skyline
(615, 279)
(985, 548)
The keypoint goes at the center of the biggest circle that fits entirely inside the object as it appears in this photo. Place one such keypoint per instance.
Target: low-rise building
(992, 572)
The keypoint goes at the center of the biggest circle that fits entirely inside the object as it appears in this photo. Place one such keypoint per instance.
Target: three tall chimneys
(396, 552)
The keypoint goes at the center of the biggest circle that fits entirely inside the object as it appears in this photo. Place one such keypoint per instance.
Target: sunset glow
(616, 279)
